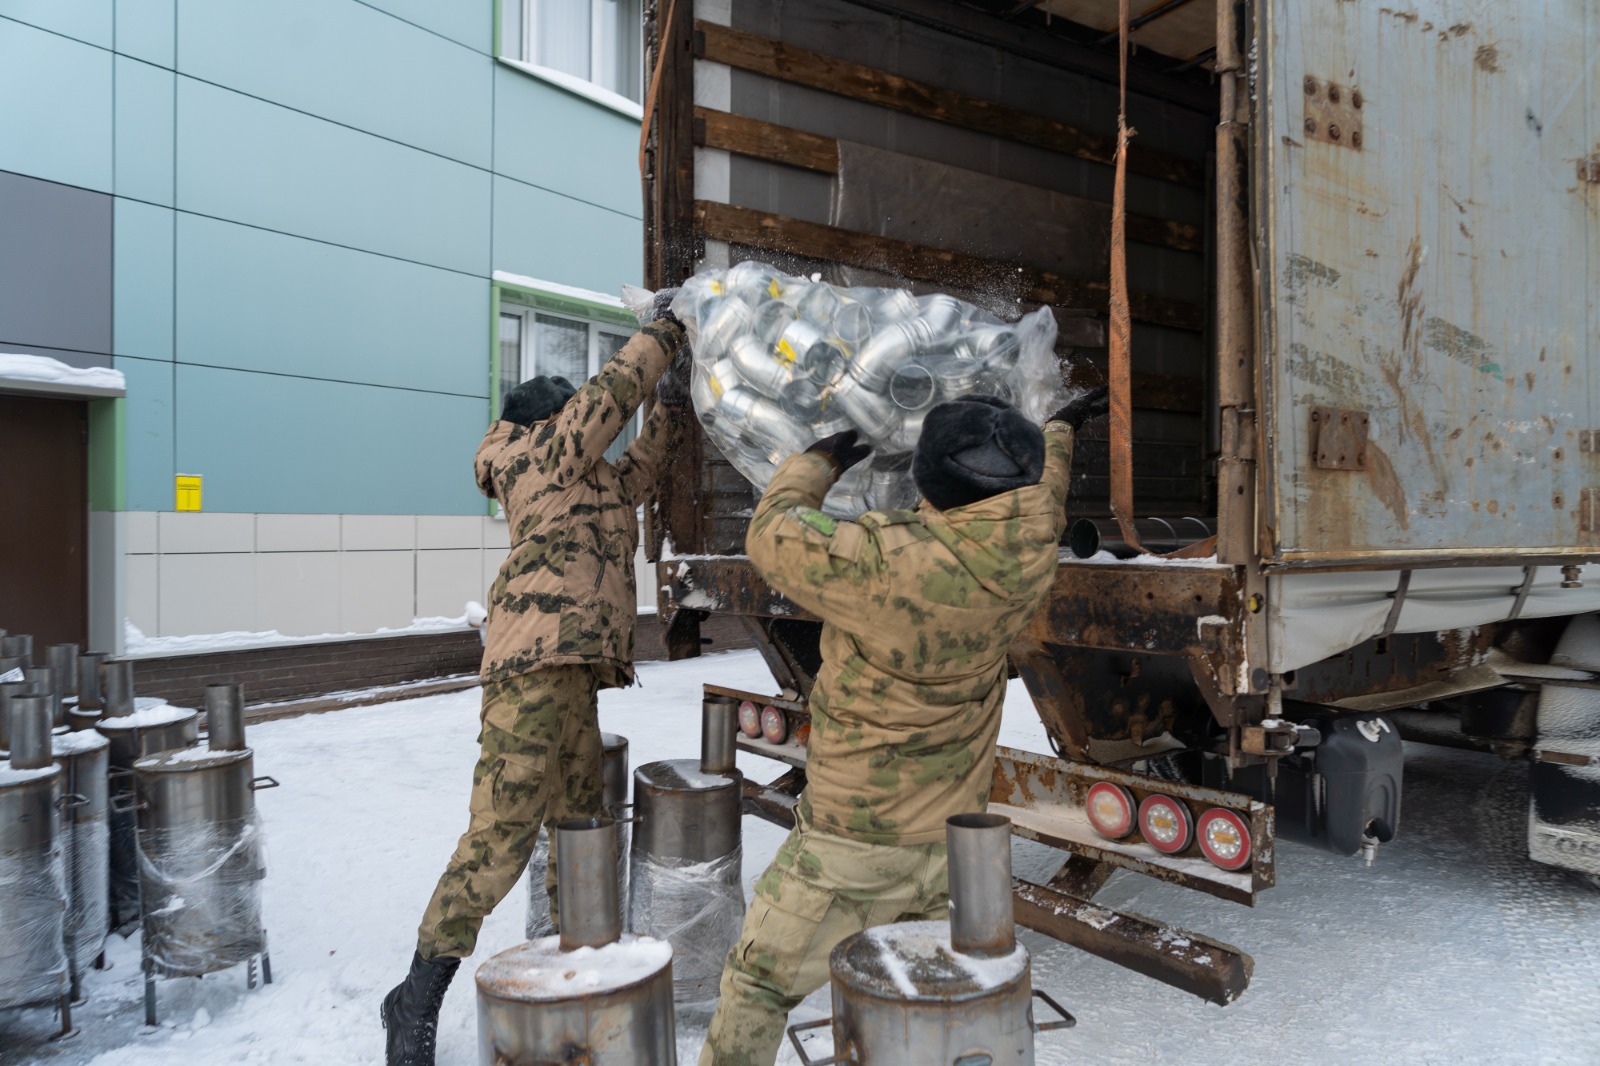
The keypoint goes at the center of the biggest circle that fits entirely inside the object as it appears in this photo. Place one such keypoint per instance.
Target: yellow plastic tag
(186, 492)
(786, 351)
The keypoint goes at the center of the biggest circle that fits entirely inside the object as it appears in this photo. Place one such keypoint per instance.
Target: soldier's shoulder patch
(810, 516)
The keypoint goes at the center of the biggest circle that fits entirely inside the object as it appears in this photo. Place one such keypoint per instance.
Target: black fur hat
(535, 400)
(974, 448)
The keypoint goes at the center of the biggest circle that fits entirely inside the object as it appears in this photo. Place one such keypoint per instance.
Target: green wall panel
(471, 22)
(538, 129)
(344, 61)
(256, 300)
(146, 30)
(64, 131)
(148, 421)
(296, 446)
(144, 101)
(264, 165)
(555, 238)
(142, 280)
(87, 20)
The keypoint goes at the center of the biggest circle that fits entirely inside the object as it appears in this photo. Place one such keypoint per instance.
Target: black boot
(411, 1011)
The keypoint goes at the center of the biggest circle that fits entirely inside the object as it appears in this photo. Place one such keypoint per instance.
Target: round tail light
(774, 726)
(750, 719)
(1110, 809)
(1224, 839)
(1165, 824)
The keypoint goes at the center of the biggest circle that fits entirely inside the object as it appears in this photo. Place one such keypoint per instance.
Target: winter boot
(411, 1011)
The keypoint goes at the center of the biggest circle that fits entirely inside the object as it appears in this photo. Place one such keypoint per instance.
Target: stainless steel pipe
(43, 680)
(586, 879)
(89, 663)
(981, 918)
(613, 798)
(9, 690)
(719, 728)
(64, 661)
(30, 732)
(225, 717)
(1089, 536)
(20, 645)
(116, 688)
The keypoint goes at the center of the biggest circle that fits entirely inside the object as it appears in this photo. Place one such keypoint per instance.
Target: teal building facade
(316, 237)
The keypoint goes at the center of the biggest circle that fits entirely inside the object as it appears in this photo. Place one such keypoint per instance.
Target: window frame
(524, 48)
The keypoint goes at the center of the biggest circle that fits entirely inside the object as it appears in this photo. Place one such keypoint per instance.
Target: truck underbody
(1264, 690)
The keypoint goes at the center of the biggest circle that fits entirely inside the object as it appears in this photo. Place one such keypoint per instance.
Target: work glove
(843, 450)
(661, 308)
(1088, 406)
(672, 387)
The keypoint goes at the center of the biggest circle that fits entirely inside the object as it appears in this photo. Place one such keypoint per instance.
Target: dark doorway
(44, 519)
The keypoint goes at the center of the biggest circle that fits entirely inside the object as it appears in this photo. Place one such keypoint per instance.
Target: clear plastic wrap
(699, 907)
(780, 362)
(202, 895)
(539, 923)
(89, 874)
(33, 912)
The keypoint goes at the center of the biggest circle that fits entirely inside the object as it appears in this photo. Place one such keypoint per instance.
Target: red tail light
(1110, 809)
(750, 719)
(1224, 839)
(1165, 824)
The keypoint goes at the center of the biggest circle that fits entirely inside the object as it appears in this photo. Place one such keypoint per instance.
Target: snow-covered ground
(1452, 949)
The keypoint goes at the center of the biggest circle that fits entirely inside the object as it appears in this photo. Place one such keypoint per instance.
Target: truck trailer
(1363, 253)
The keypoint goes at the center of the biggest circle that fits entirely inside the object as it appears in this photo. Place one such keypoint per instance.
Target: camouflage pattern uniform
(918, 608)
(560, 626)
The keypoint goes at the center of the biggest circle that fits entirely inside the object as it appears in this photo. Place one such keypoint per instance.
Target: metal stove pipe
(719, 725)
(586, 883)
(64, 661)
(43, 680)
(116, 688)
(225, 717)
(30, 732)
(1088, 536)
(19, 644)
(89, 697)
(981, 919)
(10, 690)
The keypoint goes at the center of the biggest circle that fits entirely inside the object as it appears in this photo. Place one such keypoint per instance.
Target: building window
(534, 342)
(593, 41)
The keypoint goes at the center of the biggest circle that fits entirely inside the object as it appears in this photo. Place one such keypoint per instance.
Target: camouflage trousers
(819, 890)
(540, 765)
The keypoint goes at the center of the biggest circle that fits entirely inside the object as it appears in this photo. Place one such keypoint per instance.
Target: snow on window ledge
(578, 87)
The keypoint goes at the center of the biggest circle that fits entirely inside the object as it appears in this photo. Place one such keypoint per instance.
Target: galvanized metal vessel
(613, 797)
(590, 995)
(84, 760)
(133, 735)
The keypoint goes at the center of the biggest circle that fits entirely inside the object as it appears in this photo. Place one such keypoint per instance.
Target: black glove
(672, 387)
(1090, 405)
(843, 450)
(661, 308)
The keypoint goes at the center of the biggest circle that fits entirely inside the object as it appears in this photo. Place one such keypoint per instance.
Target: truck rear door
(1427, 198)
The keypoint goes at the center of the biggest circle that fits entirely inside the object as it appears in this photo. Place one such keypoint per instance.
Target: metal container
(133, 736)
(9, 663)
(200, 861)
(590, 995)
(19, 645)
(43, 680)
(684, 882)
(63, 659)
(84, 758)
(89, 664)
(613, 798)
(719, 728)
(9, 690)
(33, 891)
(225, 717)
(116, 688)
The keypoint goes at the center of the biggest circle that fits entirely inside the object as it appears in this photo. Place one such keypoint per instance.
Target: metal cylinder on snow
(89, 665)
(613, 797)
(19, 645)
(685, 870)
(84, 758)
(116, 688)
(43, 680)
(63, 659)
(33, 889)
(133, 736)
(942, 994)
(590, 995)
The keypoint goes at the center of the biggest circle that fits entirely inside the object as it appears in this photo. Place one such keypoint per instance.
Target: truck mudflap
(1564, 784)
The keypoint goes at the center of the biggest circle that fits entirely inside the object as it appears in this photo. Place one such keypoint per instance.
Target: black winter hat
(974, 448)
(535, 400)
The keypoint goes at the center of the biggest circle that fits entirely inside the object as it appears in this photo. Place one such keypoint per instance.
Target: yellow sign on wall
(187, 492)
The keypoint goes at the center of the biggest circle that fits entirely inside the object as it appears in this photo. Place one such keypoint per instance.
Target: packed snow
(1453, 949)
(16, 367)
(138, 646)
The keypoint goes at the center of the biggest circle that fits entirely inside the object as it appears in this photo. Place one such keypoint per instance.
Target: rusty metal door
(1428, 207)
(44, 515)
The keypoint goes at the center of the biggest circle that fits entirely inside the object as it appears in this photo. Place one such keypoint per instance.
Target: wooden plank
(811, 151)
(801, 66)
(760, 229)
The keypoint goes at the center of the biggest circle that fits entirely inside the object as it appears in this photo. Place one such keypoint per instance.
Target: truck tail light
(1224, 839)
(750, 719)
(1165, 824)
(1110, 810)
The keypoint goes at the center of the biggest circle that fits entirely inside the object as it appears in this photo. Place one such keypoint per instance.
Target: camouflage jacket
(918, 610)
(566, 592)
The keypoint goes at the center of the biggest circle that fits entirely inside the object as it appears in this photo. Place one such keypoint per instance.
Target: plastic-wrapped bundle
(33, 888)
(780, 362)
(83, 758)
(699, 907)
(539, 922)
(202, 895)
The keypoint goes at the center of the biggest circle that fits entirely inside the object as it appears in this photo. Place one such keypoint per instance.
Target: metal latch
(1333, 113)
(1339, 438)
